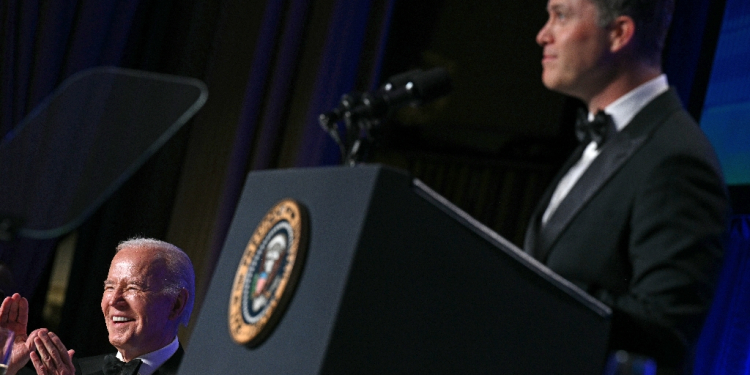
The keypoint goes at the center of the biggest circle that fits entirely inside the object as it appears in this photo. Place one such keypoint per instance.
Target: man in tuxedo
(636, 215)
(148, 293)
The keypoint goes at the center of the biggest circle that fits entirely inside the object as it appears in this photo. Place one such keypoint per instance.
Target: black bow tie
(114, 366)
(596, 130)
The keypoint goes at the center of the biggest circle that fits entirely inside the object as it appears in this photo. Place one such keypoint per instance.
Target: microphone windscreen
(432, 84)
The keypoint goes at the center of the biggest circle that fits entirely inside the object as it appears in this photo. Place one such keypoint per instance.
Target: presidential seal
(268, 273)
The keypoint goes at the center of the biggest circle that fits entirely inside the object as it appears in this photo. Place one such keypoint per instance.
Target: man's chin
(550, 82)
(118, 340)
(559, 87)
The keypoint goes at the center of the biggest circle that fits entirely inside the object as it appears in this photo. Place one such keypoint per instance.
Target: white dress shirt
(622, 111)
(152, 361)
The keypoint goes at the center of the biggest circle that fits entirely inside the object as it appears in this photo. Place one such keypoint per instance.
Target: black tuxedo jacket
(642, 230)
(93, 365)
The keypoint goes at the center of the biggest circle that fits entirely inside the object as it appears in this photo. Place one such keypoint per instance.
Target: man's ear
(621, 34)
(179, 304)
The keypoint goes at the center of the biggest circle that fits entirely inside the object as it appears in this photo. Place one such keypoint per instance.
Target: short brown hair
(652, 19)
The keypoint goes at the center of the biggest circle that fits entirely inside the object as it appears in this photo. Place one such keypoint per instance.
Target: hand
(14, 315)
(51, 357)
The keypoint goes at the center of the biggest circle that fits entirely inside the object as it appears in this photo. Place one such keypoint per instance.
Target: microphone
(411, 88)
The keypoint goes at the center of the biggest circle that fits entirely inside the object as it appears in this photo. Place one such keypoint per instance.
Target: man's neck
(128, 354)
(622, 84)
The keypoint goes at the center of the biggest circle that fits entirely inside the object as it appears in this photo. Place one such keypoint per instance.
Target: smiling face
(140, 316)
(575, 49)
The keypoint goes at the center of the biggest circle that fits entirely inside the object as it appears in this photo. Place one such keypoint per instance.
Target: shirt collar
(627, 106)
(152, 361)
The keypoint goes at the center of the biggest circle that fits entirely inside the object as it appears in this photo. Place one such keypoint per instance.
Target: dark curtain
(42, 43)
(271, 68)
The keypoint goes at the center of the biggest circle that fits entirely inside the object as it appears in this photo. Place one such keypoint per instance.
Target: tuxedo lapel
(614, 154)
(612, 157)
(89, 365)
(171, 366)
(530, 244)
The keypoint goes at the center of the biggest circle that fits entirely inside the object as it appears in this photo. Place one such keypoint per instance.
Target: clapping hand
(51, 357)
(14, 315)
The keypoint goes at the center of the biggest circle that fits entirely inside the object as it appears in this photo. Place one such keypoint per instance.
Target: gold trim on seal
(268, 294)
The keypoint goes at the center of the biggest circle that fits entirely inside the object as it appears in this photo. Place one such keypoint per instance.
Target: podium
(397, 280)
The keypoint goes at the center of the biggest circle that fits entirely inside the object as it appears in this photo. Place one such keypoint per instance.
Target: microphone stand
(363, 114)
(355, 140)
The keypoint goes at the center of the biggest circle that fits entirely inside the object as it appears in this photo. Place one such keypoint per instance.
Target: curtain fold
(281, 80)
(255, 90)
(265, 123)
(336, 76)
(18, 34)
